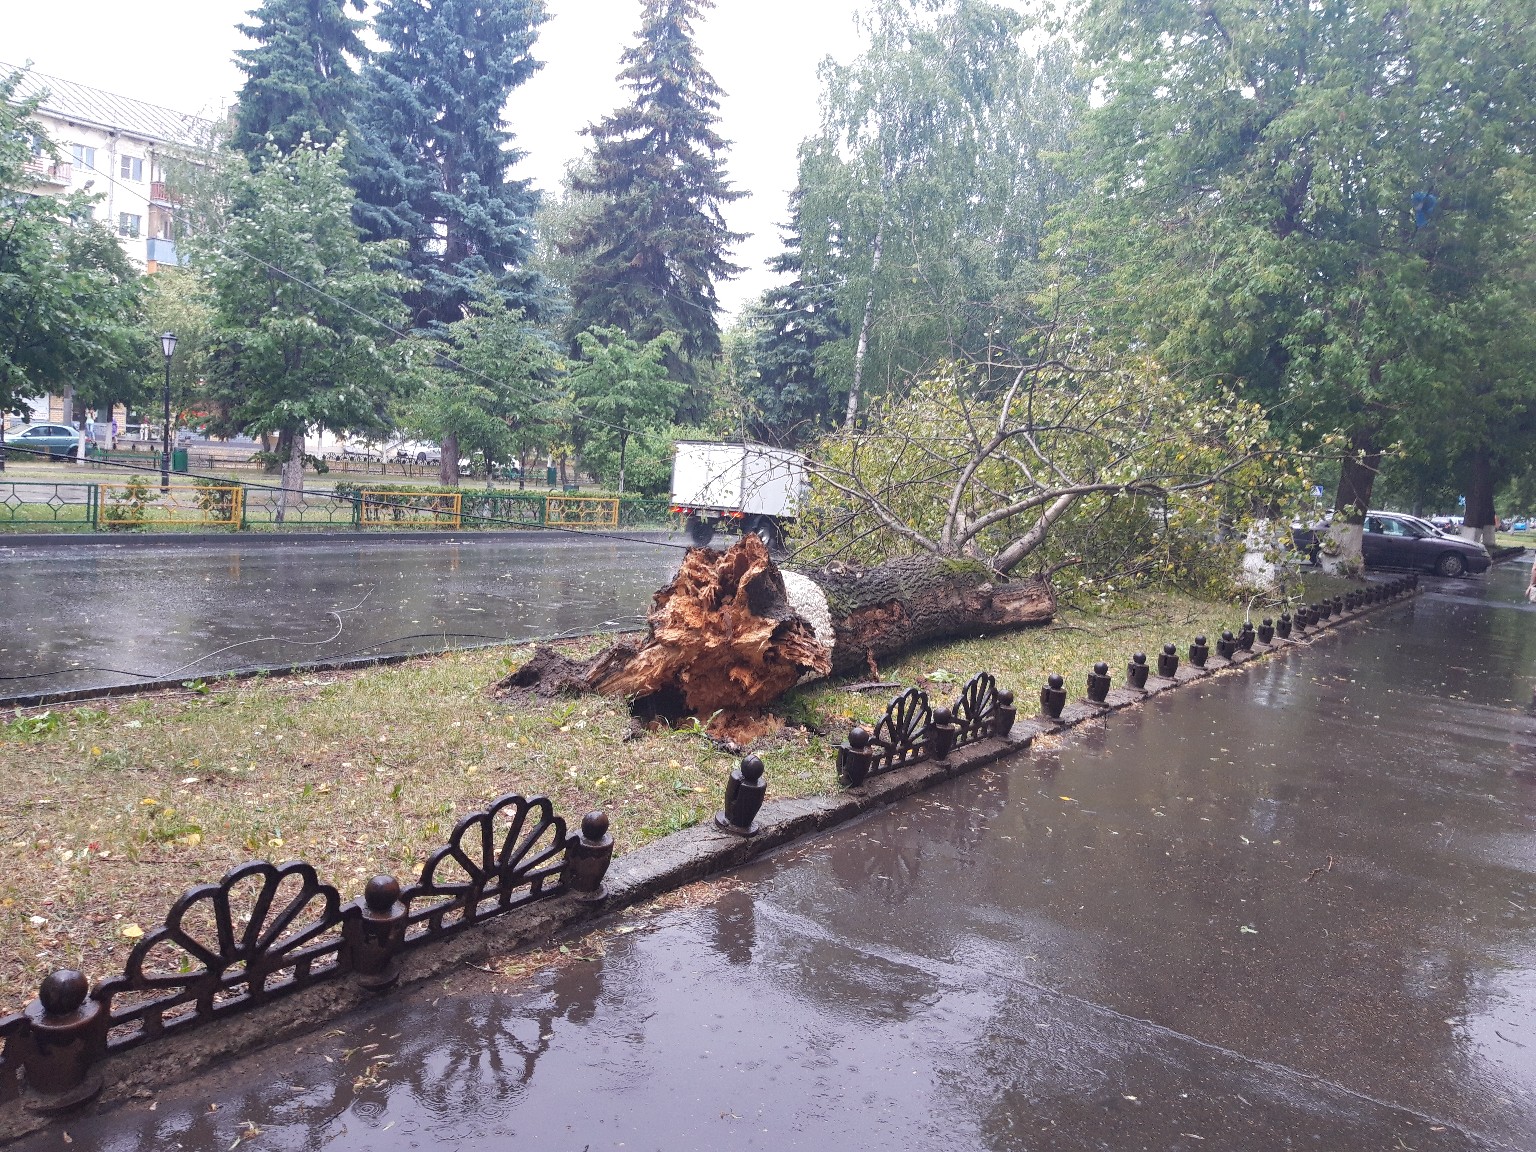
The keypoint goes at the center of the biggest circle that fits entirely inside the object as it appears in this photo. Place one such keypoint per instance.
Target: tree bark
(1357, 477)
(292, 475)
(731, 634)
(1480, 522)
(864, 326)
(448, 466)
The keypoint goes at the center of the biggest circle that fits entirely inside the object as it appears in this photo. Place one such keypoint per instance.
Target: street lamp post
(168, 346)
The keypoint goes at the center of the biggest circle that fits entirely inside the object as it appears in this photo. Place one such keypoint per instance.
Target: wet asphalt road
(1294, 908)
(91, 615)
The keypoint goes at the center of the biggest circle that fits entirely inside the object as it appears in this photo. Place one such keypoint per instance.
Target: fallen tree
(732, 632)
(968, 477)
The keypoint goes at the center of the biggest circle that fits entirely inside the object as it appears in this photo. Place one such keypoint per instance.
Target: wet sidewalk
(1290, 908)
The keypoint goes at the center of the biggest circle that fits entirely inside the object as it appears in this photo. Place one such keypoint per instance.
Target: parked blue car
(53, 441)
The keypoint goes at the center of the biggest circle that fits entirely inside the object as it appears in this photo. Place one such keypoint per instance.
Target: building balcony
(46, 171)
(163, 251)
(160, 194)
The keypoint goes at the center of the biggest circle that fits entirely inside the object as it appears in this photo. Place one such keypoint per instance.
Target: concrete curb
(672, 862)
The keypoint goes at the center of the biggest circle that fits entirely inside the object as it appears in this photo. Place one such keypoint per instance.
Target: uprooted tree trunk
(731, 633)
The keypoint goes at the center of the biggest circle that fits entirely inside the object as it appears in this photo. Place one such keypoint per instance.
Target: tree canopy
(620, 387)
(1309, 201)
(924, 197)
(299, 299)
(492, 383)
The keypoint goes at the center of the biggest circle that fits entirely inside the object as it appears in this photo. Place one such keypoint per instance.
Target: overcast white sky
(179, 53)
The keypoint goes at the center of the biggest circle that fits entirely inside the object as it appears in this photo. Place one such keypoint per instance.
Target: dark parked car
(57, 440)
(1391, 541)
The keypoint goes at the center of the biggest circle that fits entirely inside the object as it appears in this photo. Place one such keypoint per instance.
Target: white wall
(116, 193)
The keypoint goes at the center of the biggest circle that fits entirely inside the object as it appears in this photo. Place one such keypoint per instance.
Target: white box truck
(737, 488)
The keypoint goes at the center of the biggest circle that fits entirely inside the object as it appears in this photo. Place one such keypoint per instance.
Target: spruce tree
(790, 324)
(431, 163)
(299, 80)
(647, 259)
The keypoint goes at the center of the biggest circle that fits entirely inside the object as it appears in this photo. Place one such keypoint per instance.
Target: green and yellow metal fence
(139, 504)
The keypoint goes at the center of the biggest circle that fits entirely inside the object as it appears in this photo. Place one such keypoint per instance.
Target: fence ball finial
(377, 936)
(1053, 697)
(856, 757)
(940, 735)
(1199, 652)
(67, 1039)
(1137, 671)
(1168, 661)
(587, 856)
(1098, 683)
(381, 895)
(745, 789)
(1006, 715)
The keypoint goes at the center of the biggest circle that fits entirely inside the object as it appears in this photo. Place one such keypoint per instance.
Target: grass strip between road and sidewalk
(113, 809)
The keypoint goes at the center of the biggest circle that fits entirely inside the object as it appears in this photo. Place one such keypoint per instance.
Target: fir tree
(647, 259)
(432, 162)
(790, 324)
(299, 80)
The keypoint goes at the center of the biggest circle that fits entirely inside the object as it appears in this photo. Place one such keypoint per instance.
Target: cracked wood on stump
(723, 637)
(732, 634)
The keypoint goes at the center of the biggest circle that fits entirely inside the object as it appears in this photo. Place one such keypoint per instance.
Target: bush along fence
(267, 931)
(139, 504)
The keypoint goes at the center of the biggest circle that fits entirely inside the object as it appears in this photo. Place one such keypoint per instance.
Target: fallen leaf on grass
(132, 931)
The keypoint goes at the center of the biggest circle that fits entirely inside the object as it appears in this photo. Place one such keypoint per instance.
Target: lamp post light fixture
(168, 346)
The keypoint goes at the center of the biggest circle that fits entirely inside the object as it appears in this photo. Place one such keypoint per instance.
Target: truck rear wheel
(700, 531)
(769, 531)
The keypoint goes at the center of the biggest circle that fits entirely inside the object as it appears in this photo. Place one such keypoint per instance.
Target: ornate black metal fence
(912, 729)
(268, 930)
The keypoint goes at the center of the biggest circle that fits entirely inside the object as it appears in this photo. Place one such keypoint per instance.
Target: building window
(132, 168)
(128, 225)
(84, 156)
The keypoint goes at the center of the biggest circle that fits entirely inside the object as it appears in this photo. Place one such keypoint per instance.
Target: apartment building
(113, 146)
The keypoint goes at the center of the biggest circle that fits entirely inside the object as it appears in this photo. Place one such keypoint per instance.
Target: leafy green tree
(178, 300)
(493, 384)
(924, 198)
(1298, 199)
(1085, 467)
(300, 81)
(620, 388)
(69, 299)
(649, 252)
(299, 309)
